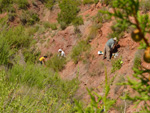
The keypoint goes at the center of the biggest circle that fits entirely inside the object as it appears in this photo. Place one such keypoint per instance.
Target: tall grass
(35, 89)
(16, 37)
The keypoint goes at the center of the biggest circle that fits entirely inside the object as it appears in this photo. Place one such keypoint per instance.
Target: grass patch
(93, 31)
(77, 51)
(88, 2)
(35, 89)
(56, 63)
(116, 65)
(53, 26)
(29, 18)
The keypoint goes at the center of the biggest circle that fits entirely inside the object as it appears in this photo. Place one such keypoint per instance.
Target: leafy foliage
(69, 11)
(116, 65)
(124, 10)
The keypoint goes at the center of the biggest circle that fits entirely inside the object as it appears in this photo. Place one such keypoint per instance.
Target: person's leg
(41, 62)
(104, 52)
(108, 53)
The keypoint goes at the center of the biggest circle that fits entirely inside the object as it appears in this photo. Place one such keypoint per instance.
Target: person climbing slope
(109, 46)
(42, 60)
(61, 53)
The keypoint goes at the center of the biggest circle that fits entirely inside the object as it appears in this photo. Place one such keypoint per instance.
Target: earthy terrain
(91, 72)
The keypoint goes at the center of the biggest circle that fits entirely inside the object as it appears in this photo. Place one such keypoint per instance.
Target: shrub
(23, 4)
(53, 26)
(78, 21)
(93, 31)
(69, 11)
(88, 2)
(118, 29)
(56, 63)
(31, 55)
(63, 25)
(101, 17)
(29, 17)
(116, 65)
(4, 5)
(77, 51)
(49, 4)
(16, 37)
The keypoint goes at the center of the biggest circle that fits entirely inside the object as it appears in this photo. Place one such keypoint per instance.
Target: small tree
(126, 11)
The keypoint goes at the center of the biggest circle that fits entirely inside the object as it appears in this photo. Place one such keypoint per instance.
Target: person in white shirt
(61, 53)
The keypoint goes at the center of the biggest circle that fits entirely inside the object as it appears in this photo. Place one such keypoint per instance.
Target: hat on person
(59, 50)
(115, 38)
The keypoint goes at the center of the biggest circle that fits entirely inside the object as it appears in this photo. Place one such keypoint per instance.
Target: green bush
(101, 17)
(77, 51)
(49, 4)
(56, 63)
(5, 5)
(69, 11)
(23, 4)
(88, 2)
(118, 29)
(116, 65)
(31, 55)
(17, 37)
(78, 21)
(63, 25)
(29, 18)
(93, 31)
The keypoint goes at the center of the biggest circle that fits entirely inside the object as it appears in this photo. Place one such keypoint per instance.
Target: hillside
(34, 28)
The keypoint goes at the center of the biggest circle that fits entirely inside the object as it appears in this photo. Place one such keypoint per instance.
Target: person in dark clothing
(109, 46)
